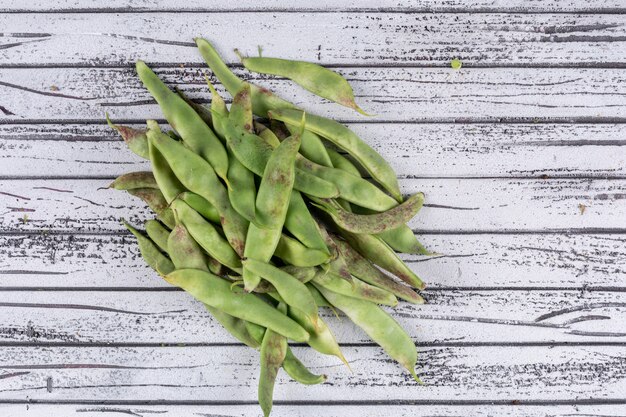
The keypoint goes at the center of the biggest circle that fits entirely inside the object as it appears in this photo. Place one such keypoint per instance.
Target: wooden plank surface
(452, 205)
(329, 38)
(528, 260)
(559, 6)
(463, 317)
(393, 94)
(521, 154)
(306, 410)
(480, 150)
(215, 373)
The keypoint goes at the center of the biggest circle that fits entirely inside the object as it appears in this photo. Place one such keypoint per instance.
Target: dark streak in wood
(45, 93)
(13, 374)
(83, 307)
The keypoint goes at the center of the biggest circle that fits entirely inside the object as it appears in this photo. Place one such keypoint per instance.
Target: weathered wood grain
(306, 410)
(425, 150)
(393, 94)
(548, 373)
(477, 261)
(329, 38)
(449, 316)
(323, 6)
(469, 205)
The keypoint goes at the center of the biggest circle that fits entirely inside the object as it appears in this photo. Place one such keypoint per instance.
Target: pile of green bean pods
(267, 214)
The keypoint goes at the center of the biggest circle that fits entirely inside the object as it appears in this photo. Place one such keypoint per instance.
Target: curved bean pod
(198, 176)
(202, 111)
(402, 239)
(157, 233)
(169, 185)
(154, 198)
(262, 99)
(151, 253)
(301, 224)
(295, 253)
(312, 77)
(321, 337)
(266, 134)
(194, 131)
(241, 187)
(300, 373)
(135, 139)
(206, 235)
(186, 253)
(273, 352)
(365, 271)
(201, 205)
(356, 289)
(271, 206)
(131, 180)
(372, 223)
(351, 188)
(379, 326)
(312, 147)
(347, 140)
(216, 292)
(379, 253)
(254, 153)
(292, 291)
(341, 162)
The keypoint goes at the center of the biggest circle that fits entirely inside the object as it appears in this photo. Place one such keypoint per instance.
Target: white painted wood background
(521, 154)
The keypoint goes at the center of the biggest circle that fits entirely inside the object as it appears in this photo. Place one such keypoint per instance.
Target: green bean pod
(295, 253)
(379, 326)
(292, 365)
(151, 253)
(365, 271)
(157, 233)
(186, 253)
(241, 189)
(202, 111)
(312, 77)
(378, 252)
(267, 135)
(194, 131)
(356, 289)
(254, 153)
(299, 221)
(372, 223)
(312, 147)
(201, 205)
(169, 185)
(271, 206)
(131, 180)
(402, 239)
(292, 291)
(154, 198)
(135, 139)
(262, 99)
(216, 292)
(347, 140)
(341, 162)
(300, 373)
(198, 176)
(354, 189)
(321, 337)
(302, 274)
(273, 352)
(206, 235)
(302, 225)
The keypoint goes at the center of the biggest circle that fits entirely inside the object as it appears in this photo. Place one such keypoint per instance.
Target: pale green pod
(347, 140)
